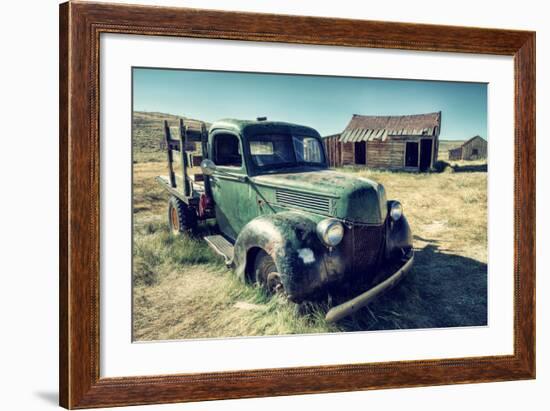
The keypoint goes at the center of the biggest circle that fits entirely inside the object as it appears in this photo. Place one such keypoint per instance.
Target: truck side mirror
(208, 167)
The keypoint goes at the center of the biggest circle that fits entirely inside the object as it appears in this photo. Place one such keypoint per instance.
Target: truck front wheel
(180, 218)
(266, 273)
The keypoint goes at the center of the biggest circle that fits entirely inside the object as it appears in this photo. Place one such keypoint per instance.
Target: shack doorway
(361, 152)
(425, 154)
(411, 154)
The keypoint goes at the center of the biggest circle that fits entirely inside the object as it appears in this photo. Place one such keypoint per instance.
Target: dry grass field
(183, 290)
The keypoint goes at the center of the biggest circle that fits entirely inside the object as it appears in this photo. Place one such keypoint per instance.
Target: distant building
(473, 149)
(391, 142)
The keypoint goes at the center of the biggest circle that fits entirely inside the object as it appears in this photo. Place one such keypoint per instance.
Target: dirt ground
(182, 289)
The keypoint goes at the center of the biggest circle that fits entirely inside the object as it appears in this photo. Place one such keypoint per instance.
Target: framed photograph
(261, 205)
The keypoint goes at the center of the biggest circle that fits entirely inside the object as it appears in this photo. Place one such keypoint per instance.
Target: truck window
(308, 150)
(285, 150)
(272, 149)
(227, 151)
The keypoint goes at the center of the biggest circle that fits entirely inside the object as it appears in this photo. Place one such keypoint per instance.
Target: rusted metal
(274, 283)
(175, 219)
(278, 212)
(416, 124)
(221, 246)
(349, 307)
(365, 243)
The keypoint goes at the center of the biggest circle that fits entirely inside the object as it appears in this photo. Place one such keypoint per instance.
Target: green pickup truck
(285, 220)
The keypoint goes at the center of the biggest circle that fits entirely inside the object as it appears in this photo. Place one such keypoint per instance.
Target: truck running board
(221, 246)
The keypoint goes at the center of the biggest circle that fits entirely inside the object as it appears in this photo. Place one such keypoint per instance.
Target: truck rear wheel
(180, 218)
(266, 273)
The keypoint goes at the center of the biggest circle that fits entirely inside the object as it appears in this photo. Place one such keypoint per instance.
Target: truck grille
(311, 202)
(365, 244)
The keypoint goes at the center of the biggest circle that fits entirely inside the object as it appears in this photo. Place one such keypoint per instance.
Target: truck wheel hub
(274, 283)
(175, 220)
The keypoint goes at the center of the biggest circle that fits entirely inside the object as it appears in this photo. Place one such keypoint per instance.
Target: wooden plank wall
(348, 153)
(333, 149)
(477, 143)
(385, 154)
(380, 154)
(435, 142)
(455, 153)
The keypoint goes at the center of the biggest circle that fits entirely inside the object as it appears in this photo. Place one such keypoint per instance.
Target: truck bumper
(343, 310)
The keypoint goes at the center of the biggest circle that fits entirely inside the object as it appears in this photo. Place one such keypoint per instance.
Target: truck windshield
(285, 150)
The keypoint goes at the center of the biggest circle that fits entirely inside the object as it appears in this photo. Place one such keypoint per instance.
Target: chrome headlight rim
(396, 210)
(330, 231)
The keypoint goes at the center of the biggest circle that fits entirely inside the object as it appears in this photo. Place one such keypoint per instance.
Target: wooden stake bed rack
(192, 185)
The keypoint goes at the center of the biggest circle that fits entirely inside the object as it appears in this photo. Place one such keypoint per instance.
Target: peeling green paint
(278, 211)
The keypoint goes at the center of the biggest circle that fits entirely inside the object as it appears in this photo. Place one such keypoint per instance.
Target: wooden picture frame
(80, 27)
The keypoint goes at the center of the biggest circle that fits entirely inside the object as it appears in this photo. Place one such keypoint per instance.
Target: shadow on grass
(473, 168)
(442, 290)
(440, 167)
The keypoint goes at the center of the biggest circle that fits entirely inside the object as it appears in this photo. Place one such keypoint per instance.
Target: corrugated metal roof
(365, 128)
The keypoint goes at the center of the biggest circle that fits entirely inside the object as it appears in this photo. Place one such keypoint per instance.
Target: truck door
(230, 189)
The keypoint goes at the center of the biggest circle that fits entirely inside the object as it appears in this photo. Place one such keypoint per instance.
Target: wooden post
(169, 154)
(433, 158)
(184, 160)
(204, 149)
(418, 159)
(204, 141)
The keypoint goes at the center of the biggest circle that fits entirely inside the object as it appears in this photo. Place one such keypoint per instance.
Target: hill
(148, 133)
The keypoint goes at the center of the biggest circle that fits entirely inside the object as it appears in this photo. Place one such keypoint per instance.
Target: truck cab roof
(251, 127)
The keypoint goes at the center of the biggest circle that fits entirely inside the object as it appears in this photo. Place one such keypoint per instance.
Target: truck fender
(291, 240)
(398, 237)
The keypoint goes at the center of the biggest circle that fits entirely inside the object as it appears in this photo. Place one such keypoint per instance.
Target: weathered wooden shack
(472, 149)
(333, 149)
(392, 142)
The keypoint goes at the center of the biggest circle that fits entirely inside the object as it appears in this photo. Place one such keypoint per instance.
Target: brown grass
(182, 290)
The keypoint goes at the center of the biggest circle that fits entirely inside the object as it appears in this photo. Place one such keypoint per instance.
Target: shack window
(475, 151)
(227, 151)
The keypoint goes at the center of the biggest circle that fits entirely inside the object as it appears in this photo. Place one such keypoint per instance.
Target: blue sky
(324, 103)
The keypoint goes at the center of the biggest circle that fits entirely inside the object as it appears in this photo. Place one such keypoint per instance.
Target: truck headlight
(330, 231)
(396, 210)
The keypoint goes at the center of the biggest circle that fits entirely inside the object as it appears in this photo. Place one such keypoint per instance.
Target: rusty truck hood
(327, 192)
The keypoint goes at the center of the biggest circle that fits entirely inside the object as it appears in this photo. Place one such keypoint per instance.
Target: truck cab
(285, 220)
(242, 152)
